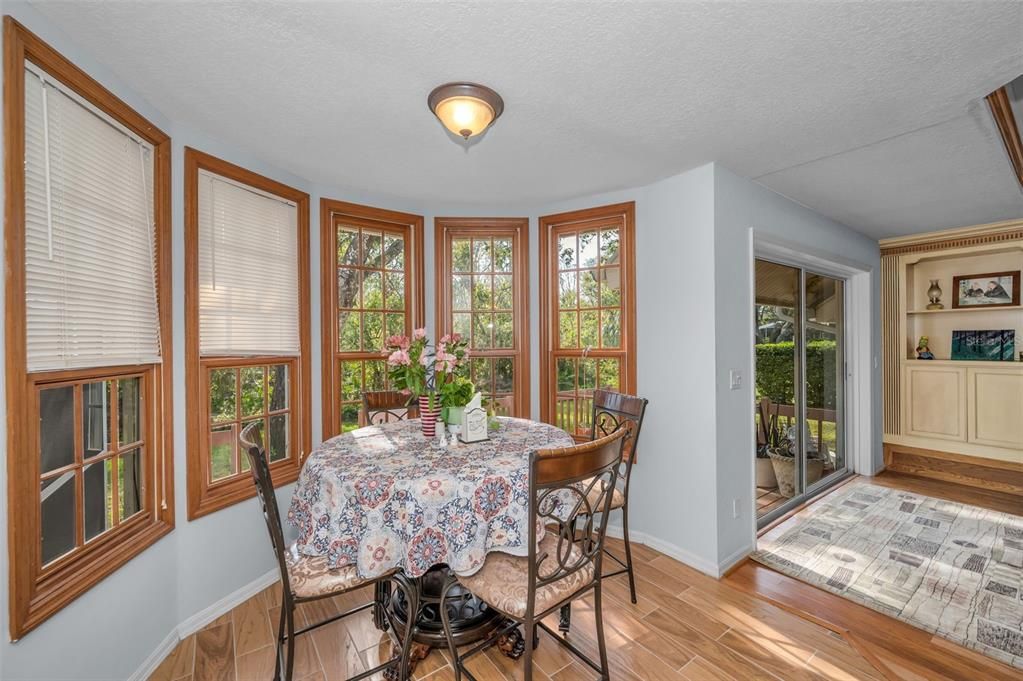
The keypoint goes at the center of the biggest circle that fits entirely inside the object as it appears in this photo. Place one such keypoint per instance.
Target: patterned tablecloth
(384, 496)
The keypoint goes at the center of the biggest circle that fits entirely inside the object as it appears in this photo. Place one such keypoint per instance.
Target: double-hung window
(482, 294)
(372, 283)
(588, 309)
(88, 330)
(247, 313)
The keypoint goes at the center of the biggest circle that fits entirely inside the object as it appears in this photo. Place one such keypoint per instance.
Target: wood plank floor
(1003, 502)
(686, 626)
(753, 624)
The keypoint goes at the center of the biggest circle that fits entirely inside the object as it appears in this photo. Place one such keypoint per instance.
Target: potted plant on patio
(783, 460)
(765, 467)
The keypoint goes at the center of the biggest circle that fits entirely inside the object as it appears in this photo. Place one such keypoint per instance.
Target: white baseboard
(150, 664)
(734, 559)
(227, 603)
(672, 551)
(200, 620)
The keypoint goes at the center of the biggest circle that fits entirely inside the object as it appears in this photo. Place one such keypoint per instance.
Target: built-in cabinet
(935, 402)
(994, 407)
(946, 418)
(973, 404)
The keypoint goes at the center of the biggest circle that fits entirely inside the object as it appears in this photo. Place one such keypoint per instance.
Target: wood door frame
(627, 212)
(330, 209)
(447, 229)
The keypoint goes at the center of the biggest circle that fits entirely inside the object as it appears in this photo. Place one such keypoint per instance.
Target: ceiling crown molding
(995, 232)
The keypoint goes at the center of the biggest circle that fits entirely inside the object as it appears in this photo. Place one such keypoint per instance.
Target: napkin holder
(474, 421)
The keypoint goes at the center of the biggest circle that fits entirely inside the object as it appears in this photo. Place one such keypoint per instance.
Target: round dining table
(385, 497)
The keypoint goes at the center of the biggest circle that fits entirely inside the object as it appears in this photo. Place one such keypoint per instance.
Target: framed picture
(993, 346)
(996, 289)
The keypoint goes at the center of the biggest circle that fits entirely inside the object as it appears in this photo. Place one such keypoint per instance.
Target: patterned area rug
(950, 569)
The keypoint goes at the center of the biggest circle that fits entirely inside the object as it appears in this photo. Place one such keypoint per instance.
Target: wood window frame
(38, 592)
(330, 211)
(445, 231)
(204, 496)
(548, 274)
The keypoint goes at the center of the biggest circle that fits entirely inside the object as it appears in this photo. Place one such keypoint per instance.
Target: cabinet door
(935, 403)
(995, 407)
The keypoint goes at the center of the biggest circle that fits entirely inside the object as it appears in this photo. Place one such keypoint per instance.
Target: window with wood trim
(483, 294)
(247, 327)
(588, 303)
(372, 278)
(241, 395)
(87, 240)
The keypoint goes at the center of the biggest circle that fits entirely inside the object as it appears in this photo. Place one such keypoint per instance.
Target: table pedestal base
(471, 619)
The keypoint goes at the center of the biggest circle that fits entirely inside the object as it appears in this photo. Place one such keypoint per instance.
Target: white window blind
(90, 273)
(248, 270)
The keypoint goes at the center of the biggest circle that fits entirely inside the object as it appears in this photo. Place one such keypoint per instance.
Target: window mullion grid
(235, 454)
(266, 415)
(79, 444)
(114, 450)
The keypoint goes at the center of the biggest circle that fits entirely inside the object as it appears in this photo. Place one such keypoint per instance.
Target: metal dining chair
(611, 411)
(569, 485)
(384, 406)
(309, 578)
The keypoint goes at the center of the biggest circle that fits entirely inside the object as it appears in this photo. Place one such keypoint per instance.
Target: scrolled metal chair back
(611, 411)
(251, 440)
(562, 499)
(385, 406)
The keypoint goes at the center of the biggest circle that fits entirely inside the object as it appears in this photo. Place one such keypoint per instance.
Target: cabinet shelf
(1004, 308)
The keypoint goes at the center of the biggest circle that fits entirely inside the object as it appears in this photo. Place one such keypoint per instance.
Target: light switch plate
(735, 379)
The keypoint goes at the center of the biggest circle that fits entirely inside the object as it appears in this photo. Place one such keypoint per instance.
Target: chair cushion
(504, 579)
(311, 576)
(617, 498)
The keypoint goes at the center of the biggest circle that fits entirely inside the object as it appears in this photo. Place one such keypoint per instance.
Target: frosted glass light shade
(466, 109)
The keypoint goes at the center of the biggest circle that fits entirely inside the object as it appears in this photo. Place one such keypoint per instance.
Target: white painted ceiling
(868, 112)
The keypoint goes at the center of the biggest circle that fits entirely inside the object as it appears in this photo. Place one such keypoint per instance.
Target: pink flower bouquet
(414, 368)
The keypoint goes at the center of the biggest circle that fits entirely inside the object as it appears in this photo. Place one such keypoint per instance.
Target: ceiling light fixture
(466, 109)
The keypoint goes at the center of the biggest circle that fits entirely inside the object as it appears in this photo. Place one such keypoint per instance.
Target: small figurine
(922, 351)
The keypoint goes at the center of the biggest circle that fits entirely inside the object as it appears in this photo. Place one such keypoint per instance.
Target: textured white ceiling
(859, 110)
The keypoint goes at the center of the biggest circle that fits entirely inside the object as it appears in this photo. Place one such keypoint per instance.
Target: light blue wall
(220, 552)
(689, 242)
(741, 205)
(674, 482)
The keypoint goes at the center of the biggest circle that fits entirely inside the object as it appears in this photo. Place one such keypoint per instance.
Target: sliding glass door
(800, 366)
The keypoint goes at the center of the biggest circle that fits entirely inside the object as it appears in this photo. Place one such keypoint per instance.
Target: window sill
(53, 592)
(220, 495)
